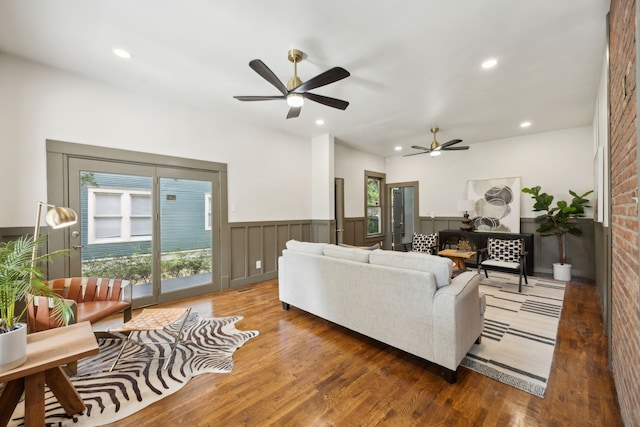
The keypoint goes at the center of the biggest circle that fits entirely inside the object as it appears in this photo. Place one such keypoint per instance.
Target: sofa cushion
(307, 247)
(440, 267)
(351, 254)
(369, 248)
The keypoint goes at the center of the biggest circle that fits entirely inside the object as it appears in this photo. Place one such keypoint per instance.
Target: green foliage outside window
(137, 267)
(374, 211)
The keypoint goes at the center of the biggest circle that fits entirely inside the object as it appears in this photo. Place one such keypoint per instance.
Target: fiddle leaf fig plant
(560, 219)
(20, 281)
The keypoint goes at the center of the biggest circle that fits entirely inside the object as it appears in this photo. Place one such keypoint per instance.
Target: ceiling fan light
(435, 153)
(295, 100)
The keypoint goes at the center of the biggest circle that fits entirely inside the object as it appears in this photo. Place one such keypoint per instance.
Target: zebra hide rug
(138, 380)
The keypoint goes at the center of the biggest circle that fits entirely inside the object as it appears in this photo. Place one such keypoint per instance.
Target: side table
(46, 352)
(457, 257)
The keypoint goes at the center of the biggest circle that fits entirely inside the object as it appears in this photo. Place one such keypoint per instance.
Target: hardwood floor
(304, 371)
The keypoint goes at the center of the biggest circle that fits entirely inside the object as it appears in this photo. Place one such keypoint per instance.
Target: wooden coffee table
(46, 352)
(457, 257)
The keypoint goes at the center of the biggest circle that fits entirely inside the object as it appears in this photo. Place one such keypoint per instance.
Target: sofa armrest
(457, 319)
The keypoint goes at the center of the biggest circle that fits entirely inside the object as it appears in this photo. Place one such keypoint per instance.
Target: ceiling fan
(296, 91)
(435, 149)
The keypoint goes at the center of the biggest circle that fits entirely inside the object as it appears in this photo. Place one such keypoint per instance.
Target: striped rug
(519, 335)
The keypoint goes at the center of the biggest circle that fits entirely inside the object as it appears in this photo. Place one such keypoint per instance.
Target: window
(374, 184)
(118, 215)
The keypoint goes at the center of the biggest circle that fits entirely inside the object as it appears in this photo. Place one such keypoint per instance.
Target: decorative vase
(562, 272)
(13, 347)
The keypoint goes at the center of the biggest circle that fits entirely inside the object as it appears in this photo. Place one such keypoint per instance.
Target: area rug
(139, 380)
(520, 329)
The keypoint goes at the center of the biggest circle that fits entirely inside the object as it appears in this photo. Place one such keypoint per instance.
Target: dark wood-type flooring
(304, 371)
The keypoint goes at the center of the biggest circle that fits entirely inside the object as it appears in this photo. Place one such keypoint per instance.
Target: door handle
(340, 230)
(76, 247)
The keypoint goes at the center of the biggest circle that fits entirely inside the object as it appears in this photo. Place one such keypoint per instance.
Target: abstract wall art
(497, 204)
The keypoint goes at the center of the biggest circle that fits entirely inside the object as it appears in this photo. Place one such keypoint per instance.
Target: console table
(479, 240)
(46, 352)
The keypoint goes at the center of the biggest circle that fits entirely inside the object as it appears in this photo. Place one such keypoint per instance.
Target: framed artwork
(497, 204)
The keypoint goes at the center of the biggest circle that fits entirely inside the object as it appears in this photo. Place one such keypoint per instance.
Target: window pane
(108, 204)
(107, 228)
(373, 192)
(374, 224)
(141, 226)
(373, 207)
(141, 205)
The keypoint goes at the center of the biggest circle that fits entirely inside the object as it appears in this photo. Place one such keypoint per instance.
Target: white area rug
(519, 335)
(207, 345)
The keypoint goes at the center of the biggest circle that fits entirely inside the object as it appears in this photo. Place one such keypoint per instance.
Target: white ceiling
(414, 64)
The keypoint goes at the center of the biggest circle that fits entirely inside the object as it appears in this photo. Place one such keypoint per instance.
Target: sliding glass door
(150, 225)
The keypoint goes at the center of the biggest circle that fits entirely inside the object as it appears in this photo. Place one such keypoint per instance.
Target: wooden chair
(504, 255)
(91, 298)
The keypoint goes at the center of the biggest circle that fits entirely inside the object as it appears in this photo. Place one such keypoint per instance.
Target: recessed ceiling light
(525, 124)
(319, 122)
(489, 63)
(121, 53)
(398, 148)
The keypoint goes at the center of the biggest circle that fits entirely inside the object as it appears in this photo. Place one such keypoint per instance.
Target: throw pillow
(424, 242)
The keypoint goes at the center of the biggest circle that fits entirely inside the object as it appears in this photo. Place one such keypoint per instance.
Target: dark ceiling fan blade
(417, 147)
(332, 75)
(259, 67)
(293, 112)
(448, 143)
(454, 148)
(416, 154)
(259, 98)
(325, 100)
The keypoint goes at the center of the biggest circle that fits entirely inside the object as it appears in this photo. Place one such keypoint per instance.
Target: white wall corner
(322, 177)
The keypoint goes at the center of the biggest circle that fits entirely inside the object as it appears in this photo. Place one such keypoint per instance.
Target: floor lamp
(56, 217)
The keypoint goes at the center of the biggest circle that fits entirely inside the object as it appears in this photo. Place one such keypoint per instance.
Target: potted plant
(20, 280)
(557, 221)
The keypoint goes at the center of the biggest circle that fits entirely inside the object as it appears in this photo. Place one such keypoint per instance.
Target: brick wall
(625, 336)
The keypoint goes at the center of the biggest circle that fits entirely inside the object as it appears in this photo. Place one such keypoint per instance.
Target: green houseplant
(20, 279)
(560, 219)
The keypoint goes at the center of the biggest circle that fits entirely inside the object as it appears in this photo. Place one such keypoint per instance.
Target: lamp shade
(466, 206)
(59, 217)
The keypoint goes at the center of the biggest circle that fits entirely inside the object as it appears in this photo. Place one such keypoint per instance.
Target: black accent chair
(506, 255)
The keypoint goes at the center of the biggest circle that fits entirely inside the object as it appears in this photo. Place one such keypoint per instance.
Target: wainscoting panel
(264, 242)
(354, 231)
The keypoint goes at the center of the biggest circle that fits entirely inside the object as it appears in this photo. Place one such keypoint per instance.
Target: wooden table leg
(34, 400)
(10, 397)
(64, 391)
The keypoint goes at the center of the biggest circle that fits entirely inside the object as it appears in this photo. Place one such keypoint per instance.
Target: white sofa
(404, 299)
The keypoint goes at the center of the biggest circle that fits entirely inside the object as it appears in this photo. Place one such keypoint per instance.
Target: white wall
(557, 161)
(322, 181)
(350, 164)
(39, 103)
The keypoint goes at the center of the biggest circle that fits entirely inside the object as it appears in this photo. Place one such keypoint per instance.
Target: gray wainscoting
(262, 241)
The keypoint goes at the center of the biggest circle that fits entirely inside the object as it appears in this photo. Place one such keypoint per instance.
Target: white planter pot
(13, 348)
(562, 272)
